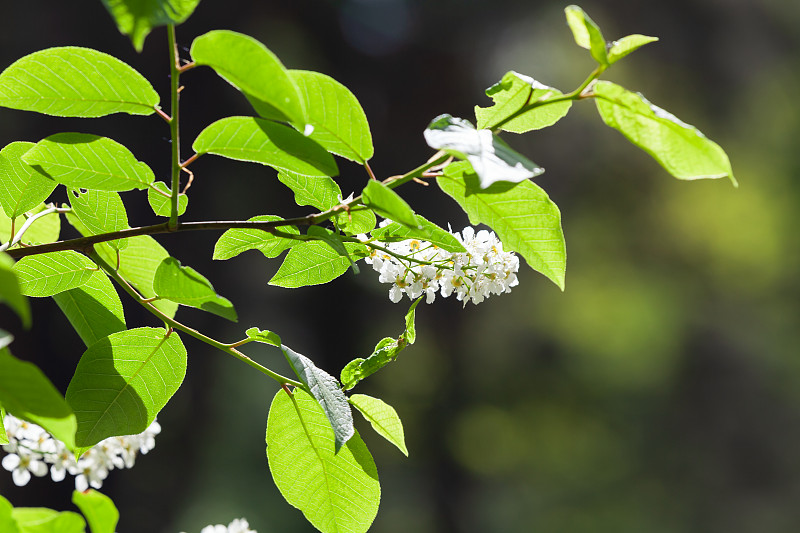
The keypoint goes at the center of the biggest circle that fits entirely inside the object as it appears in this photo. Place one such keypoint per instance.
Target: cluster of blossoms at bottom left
(32, 450)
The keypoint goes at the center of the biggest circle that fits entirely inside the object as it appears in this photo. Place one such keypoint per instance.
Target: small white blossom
(238, 525)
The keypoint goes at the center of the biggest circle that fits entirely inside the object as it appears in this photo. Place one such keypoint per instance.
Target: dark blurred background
(658, 394)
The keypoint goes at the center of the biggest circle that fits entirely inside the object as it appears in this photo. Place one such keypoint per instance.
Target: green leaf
(492, 159)
(41, 520)
(318, 191)
(356, 220)
(184, 285)
(75, 82)
(249, 66)
(53, 272)
(383, 418)
(312, 263)
(429, 232)
(101, 212)
(524, 217)
(339, 122)
(84, 161)
(265, 142)
(158, 195)
(26, 393)
(136, 18)
(43, 230)
(3, 440)
(587, 34)
(388, 204)
(264, 336)
(122, 381)
(21, 187)
(679, 147)
(410, 334)
(336, 492)
(10, 291)
(334, 240)
(99, 510)
(7, 522)
(325, 389)
(514, 92)
(626, 45)
(238, 240)
(93, 309)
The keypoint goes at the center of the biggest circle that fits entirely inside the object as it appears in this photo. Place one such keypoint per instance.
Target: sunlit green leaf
(158, 195)
(312, 263)
(383, 418)
(318, 191)
(84, 161)
(3, 440)
(626, 45)
(325, 389)
(99, 510)
(186, 286)
(430, 232)
(265, 142)
(44, 229)
(264, 336)
(94, 309)
(524, 217)
(339, 122)
(10, 291)
(42, 520)
(356, 220)
(679, 147)
(238, 240)
(249, 66)
(334, 240)
(122, 381)
(26, 393)
(21, 187)
(587, 34)
(336, 492)
(101, 212)
(136, 18)
(75, 82)
(7, 522)
(388, 204)
(53, 272)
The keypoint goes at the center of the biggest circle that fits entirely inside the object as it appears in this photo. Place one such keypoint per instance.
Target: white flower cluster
(31, 449)
(239, 525)
(425, 269)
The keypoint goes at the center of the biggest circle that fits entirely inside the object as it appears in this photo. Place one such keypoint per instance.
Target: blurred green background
(659, 393)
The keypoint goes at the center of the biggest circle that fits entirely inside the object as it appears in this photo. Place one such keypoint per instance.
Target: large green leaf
(318, 191)
(99, 510)
(249, 66)
(237, 240)
(42, 520)
(136, 18)
(339, 122)
(101, 212)
(7, 522)
(186, 286)
(312, 263)
(53, 272)
(388, 204)
(337, 492)
(44, 229)
(587, 34)
(265, 142)
(514, 92)
(26, 393)
(159, 198)
(430, 232)
(21, 187)
(10, 291)
(325, 389)
(680, 148)
(524, 217)
(75, 82)
(122, 381)
(383, 418)
(84, 161)
(626, 45)
(94, 309)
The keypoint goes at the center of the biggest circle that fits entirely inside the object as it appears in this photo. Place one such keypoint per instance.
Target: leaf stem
(174, 72)
(16, 238)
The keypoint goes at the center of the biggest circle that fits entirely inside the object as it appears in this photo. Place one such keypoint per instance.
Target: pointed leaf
(679, 147)
(337, 492)
(318, 191)
(42, 520)
(264, 336)
(238, 240)
(184, 285)
(383, 418)
(626, 45)
(492, 159)
(313, 263)
(265, 142)
(84, 161)
(26, 393)
(75, 82)
(325, 389)
(93, 309)
(430, 232)
(249, 66)
(357, 220)
(136, 18)
(339, 122)
(53, 272)
(587, 34)
(410, 334)
(99, 510)
(44, 229)
(334, 240)
(123, 381)
(10, 291)
(21, 187)
(524, 217)
(514, 92)
(388, 204)
(3, 440)
(101, 212)
(158, 195)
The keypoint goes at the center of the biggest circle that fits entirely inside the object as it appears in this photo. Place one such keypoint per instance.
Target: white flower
(238, 525)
